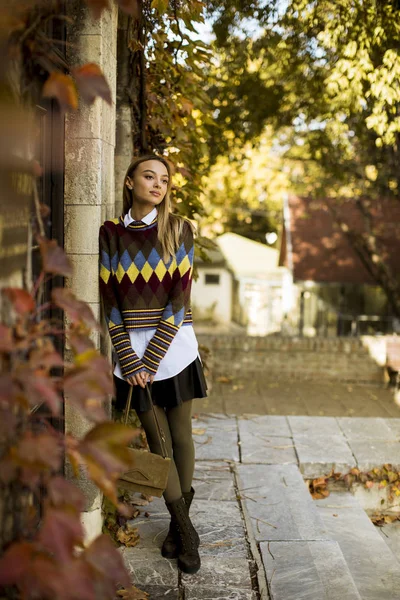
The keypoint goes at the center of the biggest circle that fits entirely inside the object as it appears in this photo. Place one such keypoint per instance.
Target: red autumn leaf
(92, 83)
(6, 339)
(8, 389)
(97, 6)
(47, 359)
(61, 493)
(77, 576)
(35, 573)
(87, 391)
(369, 484)
(54, 258)
(21, 300)
(80, 343)
(62, 87)
(41, 389)
(76, 310)
(107, 562)
(35, 455)
(106, 456)
(131, 7)
(60, 532)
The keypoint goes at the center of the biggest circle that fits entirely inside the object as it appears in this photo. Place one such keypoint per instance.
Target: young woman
(146, 264)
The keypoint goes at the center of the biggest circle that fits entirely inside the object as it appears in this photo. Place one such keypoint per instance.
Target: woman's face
(149, 182)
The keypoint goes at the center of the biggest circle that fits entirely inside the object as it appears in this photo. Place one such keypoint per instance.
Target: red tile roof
(318, 249)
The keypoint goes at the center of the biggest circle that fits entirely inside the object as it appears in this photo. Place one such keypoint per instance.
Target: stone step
(372, 564)
(278, 503)
(307, 571)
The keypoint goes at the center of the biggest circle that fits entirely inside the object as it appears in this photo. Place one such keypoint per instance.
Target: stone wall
(274, 357)
(89, 187)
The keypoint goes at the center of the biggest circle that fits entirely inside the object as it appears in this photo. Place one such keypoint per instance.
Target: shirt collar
(146, 220)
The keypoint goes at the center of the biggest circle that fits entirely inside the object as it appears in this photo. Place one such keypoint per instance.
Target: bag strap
(160, 432)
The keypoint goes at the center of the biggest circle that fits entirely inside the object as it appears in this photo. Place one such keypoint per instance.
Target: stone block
(375, 452)
(265, 425)
(85, 279)
(220, 439)
(92, 522)
(148, 567)
(82, 224)
(260, 449)
(318, 454)
(107, 180)
(390, 533)
(313, 426)
(98, 119)
(365, 428)
(220, 527)
(83, 23)
(373, 566)
(83, 171)
(213, 481)
(278, 503)
(307, 570)
(225, 572)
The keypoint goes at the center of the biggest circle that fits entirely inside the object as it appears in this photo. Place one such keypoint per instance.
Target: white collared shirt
(184, 347)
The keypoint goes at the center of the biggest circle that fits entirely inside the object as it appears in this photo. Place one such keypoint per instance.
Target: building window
(212, 279)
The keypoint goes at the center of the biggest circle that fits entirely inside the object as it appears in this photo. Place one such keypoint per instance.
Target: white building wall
(213, 301)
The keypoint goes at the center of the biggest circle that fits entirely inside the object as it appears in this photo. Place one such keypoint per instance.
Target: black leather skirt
(186, 385)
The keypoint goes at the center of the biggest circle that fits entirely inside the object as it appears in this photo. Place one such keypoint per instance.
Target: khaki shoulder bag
(149, 474)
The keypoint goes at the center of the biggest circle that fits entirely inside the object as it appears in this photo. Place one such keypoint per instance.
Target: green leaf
(160, 6)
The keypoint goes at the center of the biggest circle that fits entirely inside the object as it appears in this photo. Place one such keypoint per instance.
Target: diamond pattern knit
(139, 290)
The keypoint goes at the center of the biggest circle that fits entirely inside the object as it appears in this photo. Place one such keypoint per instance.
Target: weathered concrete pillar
(123, 142)
(89, 187)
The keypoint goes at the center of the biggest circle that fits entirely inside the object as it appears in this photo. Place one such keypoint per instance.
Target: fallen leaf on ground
(128, 536)
(132, 593)
(223, 379)
(198, 431)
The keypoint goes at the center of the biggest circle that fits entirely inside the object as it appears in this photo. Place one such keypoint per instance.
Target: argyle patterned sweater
(141, 291)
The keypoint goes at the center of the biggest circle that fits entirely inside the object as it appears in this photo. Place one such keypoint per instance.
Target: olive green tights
(176, 423)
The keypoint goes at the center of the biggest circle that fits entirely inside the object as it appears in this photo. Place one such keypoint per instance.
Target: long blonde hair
(170, 225)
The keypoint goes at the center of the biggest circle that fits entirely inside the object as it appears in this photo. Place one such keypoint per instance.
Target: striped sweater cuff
(128, 359)
(158, 345)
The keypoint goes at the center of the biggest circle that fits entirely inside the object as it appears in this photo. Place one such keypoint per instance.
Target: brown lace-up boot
(170, 547)
(188, 554)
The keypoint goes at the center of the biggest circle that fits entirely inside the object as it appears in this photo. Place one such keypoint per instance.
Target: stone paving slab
(220, 527)
(220, 439)
(259, 449)
(212, 593)
(278, 503)
(307, 571)
(214, 481)
(148, 567)
(318, 454)
(268, 425)
(314, 426)
(373, 453)
(225, 572)
(365, 428)
(373, 566)
(394, 426)
(390, 533)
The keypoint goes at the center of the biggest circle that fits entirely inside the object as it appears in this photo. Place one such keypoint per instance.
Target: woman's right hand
(139, 379)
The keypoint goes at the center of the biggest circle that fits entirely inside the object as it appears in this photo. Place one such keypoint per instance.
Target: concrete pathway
(262, 535)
